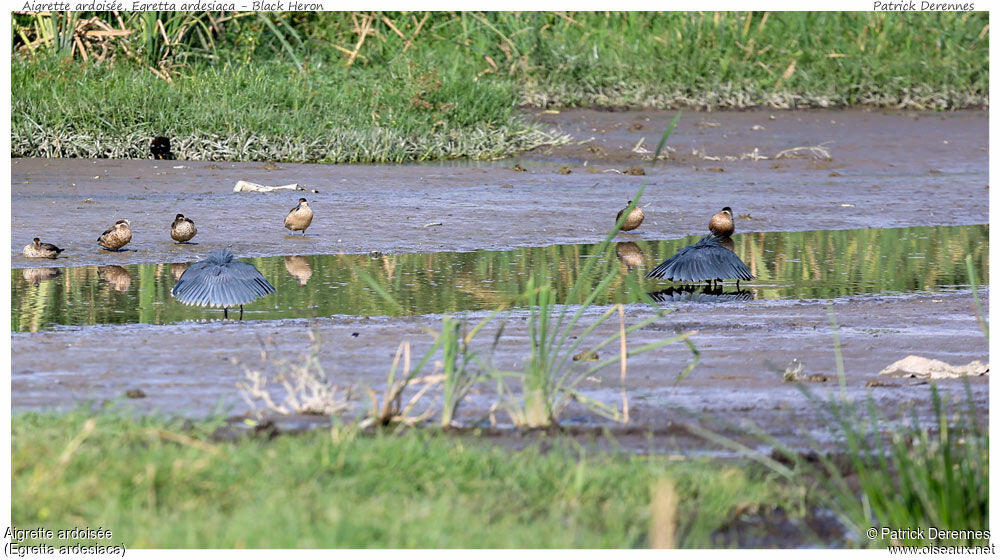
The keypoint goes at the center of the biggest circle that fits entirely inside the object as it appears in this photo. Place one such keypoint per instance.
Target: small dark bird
(721, 223)
(116, 236)
(707, 260)
(37, 249)
(634, 218)
(160, 148)
(182, 229)
(221, 281)
(299, 218)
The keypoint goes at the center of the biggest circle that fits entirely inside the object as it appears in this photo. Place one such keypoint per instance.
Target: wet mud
(883, 170)
(744, 349)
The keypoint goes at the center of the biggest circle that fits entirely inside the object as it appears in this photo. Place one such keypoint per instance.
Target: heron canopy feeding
(706, 260)
(221, 281)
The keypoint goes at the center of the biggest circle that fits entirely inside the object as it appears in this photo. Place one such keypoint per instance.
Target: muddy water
(790, 265)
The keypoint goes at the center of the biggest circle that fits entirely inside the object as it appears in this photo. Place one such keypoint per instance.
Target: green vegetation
(916, 475)
(811, 264)
(166, 484)
(363, 87)
(892, 473)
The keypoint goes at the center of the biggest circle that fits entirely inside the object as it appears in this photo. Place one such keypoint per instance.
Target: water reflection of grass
(813, 264)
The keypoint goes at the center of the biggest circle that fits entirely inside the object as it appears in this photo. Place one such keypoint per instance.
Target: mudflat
(846, 169)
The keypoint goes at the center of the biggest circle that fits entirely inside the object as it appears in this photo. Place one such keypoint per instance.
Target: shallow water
(788, 265)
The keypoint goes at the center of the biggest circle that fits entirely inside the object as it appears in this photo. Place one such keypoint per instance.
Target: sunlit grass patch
(162, 483)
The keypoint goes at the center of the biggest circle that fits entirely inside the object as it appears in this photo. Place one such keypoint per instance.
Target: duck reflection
(629, 254)
(727, 242)
(299, 267)
(176, 269)
(39, 275)
(117, 276)
(700, 294)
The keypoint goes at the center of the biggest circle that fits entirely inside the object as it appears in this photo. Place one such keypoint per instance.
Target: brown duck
(182, 229)
(37, 249)
(721, 223)
(116, 236)
(299, 218)
(634, 218)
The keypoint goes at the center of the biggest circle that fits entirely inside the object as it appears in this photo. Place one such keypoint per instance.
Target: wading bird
(37, 249)
(182, 229)
(705, 261)
(221, 281)
(116, 236)
(299, 218)
(634, 218)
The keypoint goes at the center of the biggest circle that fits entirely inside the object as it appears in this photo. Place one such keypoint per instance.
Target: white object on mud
(924, 368)
(247, 186)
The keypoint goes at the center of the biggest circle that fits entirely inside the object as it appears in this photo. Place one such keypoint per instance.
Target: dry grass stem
(307, 390)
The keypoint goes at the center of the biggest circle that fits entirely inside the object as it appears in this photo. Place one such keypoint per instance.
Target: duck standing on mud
(116, 236)
(37, 249)
(299, 218)
(182, 229)
(721, 223)
(634, 218)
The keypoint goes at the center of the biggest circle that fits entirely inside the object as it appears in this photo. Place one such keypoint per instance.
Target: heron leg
(225, 312)
(241, 312)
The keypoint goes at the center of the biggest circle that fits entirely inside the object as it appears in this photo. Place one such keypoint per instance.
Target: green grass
(158, 483)
(268, 111)
(282, 89)
(892, 474)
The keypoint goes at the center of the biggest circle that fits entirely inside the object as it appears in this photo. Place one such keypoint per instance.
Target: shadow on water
(788, 265)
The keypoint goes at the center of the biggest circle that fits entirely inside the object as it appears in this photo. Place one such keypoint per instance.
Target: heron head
(36, 241)
(179, 217)
(728, 211)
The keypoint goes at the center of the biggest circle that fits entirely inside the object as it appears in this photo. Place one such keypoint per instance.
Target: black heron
(37, 249)
(221, 281)
(707, 260)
